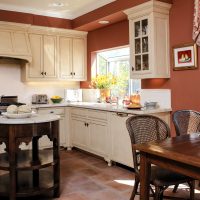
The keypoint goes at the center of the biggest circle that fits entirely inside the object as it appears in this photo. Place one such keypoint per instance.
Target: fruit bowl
(57, 100)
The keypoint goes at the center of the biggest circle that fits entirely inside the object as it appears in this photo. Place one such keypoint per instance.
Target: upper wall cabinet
(72, 58)
(149, 40)
(43, 65)
(58, 55)
(14, 41)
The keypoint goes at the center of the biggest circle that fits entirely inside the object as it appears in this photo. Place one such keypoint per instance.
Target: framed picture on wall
(185, 57)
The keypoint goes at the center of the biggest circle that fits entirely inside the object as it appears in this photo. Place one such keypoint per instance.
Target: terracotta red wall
(184, 84)
(114, 7)
(111, 36)
(38, 20)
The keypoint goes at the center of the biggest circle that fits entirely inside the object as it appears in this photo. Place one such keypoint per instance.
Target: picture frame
(184, 56)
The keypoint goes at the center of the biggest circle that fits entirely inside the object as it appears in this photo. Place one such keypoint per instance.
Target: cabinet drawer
(57, 111)
(99, 115)
(79, 112)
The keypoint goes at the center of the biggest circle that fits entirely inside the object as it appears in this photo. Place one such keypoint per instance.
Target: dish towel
(196, 22)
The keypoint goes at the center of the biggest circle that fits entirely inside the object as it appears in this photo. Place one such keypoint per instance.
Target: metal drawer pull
(122, 114)
(86, 124)
(51, 111)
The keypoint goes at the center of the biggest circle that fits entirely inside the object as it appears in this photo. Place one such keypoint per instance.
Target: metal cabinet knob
(122, 114)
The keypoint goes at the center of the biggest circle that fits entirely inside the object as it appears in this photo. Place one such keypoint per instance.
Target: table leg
(12, 162)
(35, 160)
(145, 173)
(56, 157)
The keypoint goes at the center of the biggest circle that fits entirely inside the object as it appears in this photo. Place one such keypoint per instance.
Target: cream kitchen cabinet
(14, 41)
(120, 141)
(44, 142)
(121, 150)
(43, 66)
(149, 40)
(80, 133)
(89, 131)
(72, 58)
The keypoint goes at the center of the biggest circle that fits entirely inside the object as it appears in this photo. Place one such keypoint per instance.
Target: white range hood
(14, 41)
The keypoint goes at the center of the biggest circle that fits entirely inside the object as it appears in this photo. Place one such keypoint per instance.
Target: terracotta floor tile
(101, 165)
(118, 186)
(75, 179)
(90, 172)
(103, 178)
(108, 195)
(73, 196)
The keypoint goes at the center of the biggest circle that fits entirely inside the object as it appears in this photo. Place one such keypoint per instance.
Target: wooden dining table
(180, 154)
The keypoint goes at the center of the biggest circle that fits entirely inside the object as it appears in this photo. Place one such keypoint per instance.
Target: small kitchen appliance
(6, 101)
(39, 99)
(73, 95)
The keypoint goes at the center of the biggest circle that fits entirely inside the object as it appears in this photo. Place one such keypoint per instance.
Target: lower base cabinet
(104, 133)
(79, 131)
(120, 141)
(121, 150)
(44, 142)
(89, 131)
(98, 137)
(99, 132)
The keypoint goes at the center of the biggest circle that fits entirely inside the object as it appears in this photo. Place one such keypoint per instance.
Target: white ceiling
(70, 10)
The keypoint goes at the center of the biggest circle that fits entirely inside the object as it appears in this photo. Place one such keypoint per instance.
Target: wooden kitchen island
(29, 172)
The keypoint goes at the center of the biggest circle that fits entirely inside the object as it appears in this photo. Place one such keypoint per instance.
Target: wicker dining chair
(144, 129)
(186, 121)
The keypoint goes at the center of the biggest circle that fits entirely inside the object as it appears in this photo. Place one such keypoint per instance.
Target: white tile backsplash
(91, 95)
(11, 84)
(162, 96)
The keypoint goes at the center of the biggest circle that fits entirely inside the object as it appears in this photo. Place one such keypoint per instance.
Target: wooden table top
(184, 149)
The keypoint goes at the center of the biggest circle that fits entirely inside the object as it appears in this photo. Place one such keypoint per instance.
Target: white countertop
(36, 118)
(103, 106)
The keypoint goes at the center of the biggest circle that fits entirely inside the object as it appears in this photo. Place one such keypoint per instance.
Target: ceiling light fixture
(57, 4)
(103, 22)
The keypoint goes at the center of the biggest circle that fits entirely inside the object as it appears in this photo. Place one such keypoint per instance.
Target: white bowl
(17, 116)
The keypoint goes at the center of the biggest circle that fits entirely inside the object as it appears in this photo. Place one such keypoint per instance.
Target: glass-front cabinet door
(149, 40)
(140, 48)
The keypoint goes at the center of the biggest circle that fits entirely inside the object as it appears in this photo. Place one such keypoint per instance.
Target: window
(116, 62)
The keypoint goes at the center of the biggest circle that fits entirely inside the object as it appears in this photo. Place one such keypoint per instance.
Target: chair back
(143, 129)
(186, 121)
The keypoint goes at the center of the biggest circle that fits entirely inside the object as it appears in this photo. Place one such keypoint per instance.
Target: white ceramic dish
(17, 116)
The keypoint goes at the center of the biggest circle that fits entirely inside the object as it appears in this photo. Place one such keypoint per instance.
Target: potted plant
(104, 84)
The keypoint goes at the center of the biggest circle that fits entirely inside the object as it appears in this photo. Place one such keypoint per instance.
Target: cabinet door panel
(80, 133)
(121, 143)
(149, 40)
(36, 66)
(62, 135)
(20, 43)
(79, 58)
(62, 125)
(65, 57)
(50, 56)
(6, 42)
(98, 138)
